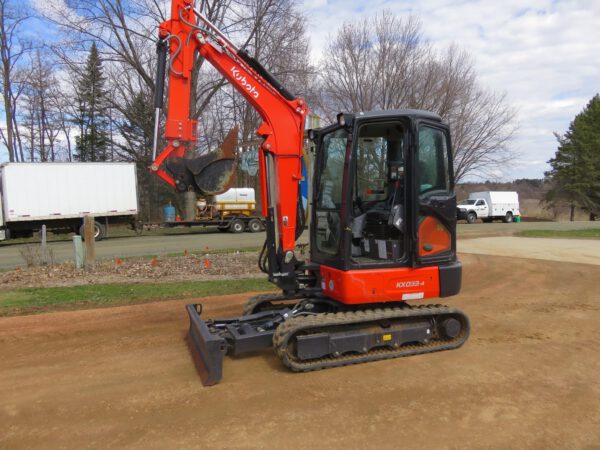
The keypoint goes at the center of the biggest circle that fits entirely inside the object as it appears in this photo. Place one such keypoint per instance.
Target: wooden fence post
(90, 241)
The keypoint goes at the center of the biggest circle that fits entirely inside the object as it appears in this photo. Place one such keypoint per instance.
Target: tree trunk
(9, 118)
(572, 212)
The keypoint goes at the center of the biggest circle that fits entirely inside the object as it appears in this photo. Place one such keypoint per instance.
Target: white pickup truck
(489, 206)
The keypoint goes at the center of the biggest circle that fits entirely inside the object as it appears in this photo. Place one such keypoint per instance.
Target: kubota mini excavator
(383, 218)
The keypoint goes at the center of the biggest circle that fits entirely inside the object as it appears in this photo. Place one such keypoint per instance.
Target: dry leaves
(137, 270)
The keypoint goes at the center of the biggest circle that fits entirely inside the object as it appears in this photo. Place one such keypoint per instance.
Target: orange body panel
(380, 285)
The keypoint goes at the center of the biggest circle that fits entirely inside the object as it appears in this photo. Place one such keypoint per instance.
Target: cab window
(432, 169)
(329, 193)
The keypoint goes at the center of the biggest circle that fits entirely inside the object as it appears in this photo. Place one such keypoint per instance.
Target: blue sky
(544, 54)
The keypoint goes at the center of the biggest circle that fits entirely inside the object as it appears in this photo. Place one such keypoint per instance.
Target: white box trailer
(489, 206)
(59, 195)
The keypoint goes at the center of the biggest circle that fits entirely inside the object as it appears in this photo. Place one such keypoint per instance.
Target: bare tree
(12, 50)
(40, 117)
(125, 32)
(63, 108)
(273, 32)
(384, 63)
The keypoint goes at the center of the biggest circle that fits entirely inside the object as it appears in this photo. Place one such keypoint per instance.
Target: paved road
(10, 256)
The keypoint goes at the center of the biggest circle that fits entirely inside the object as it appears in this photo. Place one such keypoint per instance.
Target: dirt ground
(529, 377)
(586, 251)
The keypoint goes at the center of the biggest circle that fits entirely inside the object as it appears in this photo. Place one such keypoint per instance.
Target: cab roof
(413, 113)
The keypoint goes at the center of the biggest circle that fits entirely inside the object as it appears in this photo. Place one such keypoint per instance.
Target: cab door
(482, 209)
(434, 212)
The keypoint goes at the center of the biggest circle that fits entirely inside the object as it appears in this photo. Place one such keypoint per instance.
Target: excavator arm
(181, 39)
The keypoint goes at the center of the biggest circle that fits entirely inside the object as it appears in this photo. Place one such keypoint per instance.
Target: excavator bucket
(207, 349)
(209, 174)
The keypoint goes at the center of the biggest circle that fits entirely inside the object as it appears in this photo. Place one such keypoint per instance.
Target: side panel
(380, 285)
(55, 190)
(236, 199)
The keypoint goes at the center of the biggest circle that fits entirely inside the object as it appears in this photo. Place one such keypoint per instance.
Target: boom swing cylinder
(383, 221)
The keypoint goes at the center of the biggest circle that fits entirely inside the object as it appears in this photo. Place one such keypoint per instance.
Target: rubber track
(254, 302)
(320, 323)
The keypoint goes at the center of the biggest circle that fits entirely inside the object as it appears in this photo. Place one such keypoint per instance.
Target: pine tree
(93, 141)
(575, 173)
(135, 128)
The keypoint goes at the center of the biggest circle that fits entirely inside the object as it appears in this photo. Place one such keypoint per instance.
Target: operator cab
(383, 191)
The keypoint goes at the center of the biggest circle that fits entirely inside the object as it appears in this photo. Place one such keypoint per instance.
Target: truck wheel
(508, 218)
(471, 217)
(255, 225)
(99, 231)
(236, 226)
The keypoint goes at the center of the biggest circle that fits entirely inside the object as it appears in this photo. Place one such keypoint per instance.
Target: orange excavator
(382, 217)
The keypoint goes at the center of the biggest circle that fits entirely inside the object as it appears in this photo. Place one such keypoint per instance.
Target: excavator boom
(187, 36)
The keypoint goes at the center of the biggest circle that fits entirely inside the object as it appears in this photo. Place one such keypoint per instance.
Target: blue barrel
(169, 211)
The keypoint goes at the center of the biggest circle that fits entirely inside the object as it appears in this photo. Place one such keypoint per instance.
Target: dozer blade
(206, 348)
(209, 174)
(210, 341)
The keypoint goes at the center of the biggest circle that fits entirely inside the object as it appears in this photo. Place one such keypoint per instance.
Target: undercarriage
(318, 333)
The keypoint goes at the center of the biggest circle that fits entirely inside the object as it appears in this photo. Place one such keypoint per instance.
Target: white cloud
(310, 4)
(545, 54)
(55, 9)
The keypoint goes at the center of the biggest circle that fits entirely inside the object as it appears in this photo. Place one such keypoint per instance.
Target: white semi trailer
(59, 195)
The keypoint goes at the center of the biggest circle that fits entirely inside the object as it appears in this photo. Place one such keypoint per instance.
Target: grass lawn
(586, 233)
(37, 300)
